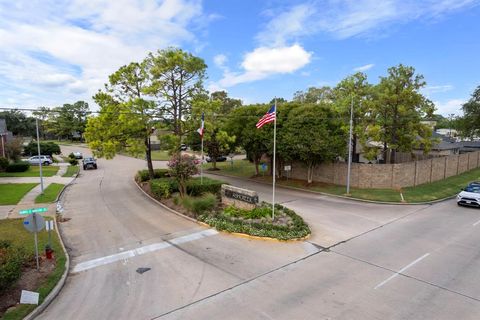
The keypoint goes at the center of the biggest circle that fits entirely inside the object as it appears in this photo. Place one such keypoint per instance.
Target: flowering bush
(182, 167)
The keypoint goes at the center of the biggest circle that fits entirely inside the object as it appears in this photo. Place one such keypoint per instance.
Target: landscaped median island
(202, 200)
(18, 268)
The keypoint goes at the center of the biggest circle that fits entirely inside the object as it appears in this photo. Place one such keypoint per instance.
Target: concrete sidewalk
(28, 201)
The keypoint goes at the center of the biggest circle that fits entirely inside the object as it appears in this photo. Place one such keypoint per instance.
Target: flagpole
(201, 165)
(274, 158)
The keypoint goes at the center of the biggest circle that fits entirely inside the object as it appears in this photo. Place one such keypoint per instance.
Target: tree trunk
(148, 157)
(309, 173)
(255, 162)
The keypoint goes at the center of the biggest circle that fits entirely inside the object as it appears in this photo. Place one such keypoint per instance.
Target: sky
(54, 52)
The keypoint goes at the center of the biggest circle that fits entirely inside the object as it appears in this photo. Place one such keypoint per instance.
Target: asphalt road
(383, 262)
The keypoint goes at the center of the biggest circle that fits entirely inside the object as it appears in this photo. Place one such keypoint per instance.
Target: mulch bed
(30, 280)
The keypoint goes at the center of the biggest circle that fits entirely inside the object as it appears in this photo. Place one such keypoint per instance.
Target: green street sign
(34, 210)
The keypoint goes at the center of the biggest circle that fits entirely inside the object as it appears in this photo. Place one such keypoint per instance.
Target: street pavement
(382, 261)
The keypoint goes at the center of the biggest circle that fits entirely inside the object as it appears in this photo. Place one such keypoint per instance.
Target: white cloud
(220, 60)
(428, 90)
(364, 68)
(74, 46)
(287, 25)
(264, 62)
(450, 106)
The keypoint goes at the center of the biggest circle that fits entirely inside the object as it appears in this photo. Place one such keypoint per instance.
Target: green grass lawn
(239, 168)
(50, 193)
(160, 155)
(13, 230)
(12, 193)
(71, 171)
(425, 192)
(33, 171)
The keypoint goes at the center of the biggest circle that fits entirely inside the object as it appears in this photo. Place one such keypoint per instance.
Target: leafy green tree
(314, 95)
(227, 104)
(397, 111)
(177, 81)
(312, 134)
(469, 124)
(18, 123)
(126, 115)
(46, 148)
(355, 90)
(241, 124)
(13, 148)
(68, 120)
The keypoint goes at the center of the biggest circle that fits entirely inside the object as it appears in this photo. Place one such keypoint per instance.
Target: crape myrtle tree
(126, 115)
(396, 114)
(312, 134)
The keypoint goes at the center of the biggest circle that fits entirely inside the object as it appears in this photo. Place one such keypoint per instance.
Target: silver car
(44, 160)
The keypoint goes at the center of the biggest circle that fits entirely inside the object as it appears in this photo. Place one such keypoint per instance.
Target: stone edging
(58, 287)
(335, 195)
(242, 235)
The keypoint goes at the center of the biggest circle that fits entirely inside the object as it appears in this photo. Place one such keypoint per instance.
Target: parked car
(219, 159)
(78, 155)
(89, 163)
(44, 160)
(470, 196)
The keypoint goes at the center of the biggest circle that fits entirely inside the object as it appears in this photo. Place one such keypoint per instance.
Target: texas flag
(200, 130)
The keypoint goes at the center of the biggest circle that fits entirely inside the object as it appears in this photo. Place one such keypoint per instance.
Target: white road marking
(86, 265)
(476, 223)
(401, 270)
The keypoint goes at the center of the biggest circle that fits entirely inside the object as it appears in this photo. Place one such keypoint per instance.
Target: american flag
(268, 117)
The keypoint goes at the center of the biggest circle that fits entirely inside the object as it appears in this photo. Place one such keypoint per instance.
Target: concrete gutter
(58, 287)
(334, 195)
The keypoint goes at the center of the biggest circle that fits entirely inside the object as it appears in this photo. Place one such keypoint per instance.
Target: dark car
(219, 159)
(89, 163)
(183, 147)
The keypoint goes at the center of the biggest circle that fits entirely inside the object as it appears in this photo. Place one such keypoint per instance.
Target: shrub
(199, 205)
(20, 166)
(46, 148)
(195, 188)
(11, 261)
(71, 155)
(73, 161)
(162, 188)
(143, 175)
(182, 167)
(256, 213)
(3, 164)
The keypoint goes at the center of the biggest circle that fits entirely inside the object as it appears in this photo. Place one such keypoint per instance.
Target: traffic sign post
(34, 223)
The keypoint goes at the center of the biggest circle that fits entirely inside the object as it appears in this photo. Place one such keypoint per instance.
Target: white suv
(470, 196)
(44, 160)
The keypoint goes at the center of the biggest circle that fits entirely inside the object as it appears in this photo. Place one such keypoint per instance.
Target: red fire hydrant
(49, 252)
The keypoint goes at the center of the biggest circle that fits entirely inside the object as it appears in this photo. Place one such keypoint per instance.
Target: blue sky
(54, 52)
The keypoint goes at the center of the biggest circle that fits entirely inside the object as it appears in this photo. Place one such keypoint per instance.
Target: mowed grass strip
(71, 171)
(13, 230)
(12, 193)
(33, 171)
(50, 193)
(421, 193)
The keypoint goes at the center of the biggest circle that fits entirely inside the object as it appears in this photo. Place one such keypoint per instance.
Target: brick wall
(391, 175)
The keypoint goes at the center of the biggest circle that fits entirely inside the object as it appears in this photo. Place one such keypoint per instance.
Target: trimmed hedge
(143, 175)
(3, 163)
(20, 166)
(195, 188)
(11, 262)
(298, 228)
(162, 188)
(46, 148)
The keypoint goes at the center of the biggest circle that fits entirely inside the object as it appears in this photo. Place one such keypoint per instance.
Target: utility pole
(39, 158)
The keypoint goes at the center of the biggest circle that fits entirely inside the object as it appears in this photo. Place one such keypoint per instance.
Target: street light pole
(39, 158)
(350, 147)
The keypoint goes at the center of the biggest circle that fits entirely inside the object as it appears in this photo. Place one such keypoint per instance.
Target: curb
(241, 235)
(59, 286)
(335, 195)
